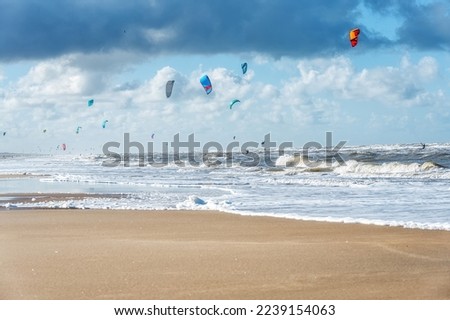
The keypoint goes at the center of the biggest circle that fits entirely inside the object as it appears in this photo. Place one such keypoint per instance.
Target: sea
(403, 185)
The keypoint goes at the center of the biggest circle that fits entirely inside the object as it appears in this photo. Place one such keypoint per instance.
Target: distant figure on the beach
(423, 145)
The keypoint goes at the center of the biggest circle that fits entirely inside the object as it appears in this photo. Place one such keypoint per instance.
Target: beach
(170, 254)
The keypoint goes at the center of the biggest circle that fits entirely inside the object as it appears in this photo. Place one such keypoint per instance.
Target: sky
(304, 79)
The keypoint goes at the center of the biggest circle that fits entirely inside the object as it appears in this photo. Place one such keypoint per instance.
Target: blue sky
(304, 78)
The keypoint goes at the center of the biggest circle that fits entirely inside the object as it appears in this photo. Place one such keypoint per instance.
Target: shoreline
(8, 201)
(15, 198)
(131, 254)
(19, 175)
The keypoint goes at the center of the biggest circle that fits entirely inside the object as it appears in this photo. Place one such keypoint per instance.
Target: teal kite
(233, 102)
(90, 102)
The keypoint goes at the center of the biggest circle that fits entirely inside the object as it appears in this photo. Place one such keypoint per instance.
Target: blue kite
(206, 83)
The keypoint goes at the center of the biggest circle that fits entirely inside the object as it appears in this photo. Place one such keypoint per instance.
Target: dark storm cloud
(33, 29)
(425, 26)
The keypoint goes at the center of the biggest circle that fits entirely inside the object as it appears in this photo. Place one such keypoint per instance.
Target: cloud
(424, 25)
(403, 86)
(396, 86)
(40, 29)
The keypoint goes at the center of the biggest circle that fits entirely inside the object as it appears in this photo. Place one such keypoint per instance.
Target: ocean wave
(390, 168)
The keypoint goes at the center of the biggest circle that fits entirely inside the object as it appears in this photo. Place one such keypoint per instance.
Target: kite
(4, 133)
(63, 146)
(44, 131)
(353, 36)
(169, 87)
(78, 130)
(153, 135)
(104, 123)
(90, 102)
(206, 83)
(244, 67)
(233, 102)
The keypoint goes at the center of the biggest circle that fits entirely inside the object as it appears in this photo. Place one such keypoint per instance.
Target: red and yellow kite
(353, 35)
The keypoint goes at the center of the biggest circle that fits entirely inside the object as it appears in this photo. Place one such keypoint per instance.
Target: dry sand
(95, 254)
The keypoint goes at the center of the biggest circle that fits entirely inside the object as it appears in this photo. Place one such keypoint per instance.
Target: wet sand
(10, 200)
(16, 175)
(100, 254)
